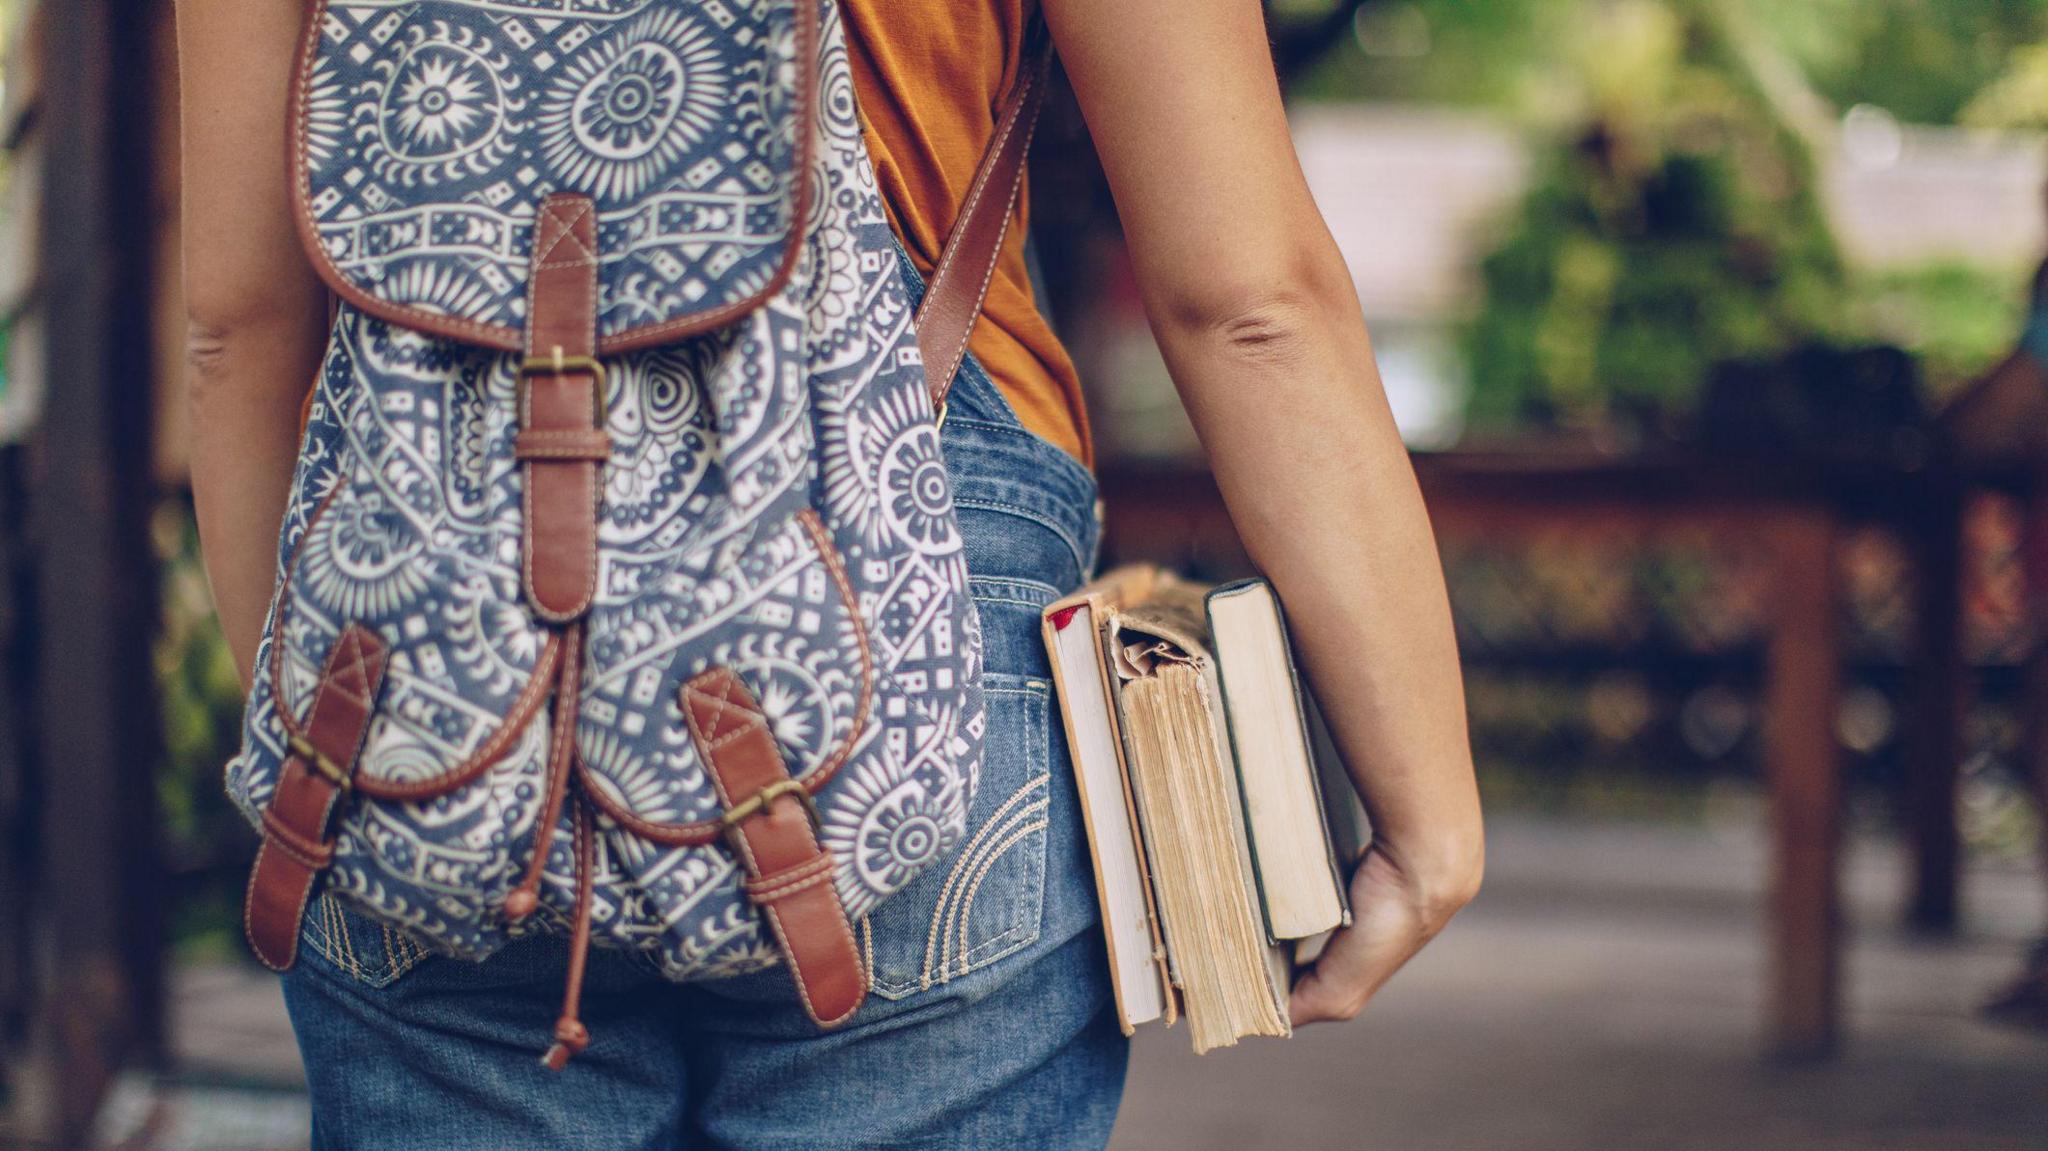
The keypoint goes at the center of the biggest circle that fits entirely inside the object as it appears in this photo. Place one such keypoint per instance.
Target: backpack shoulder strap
(953, 299)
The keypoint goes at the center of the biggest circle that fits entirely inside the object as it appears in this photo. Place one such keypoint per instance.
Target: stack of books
(1215, 812)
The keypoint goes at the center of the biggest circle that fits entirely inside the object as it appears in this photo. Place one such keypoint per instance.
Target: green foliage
(1925, 60)
(1486, 52)
(1677, 227)
(200, 696)
(2018, 99)
(1959, 319)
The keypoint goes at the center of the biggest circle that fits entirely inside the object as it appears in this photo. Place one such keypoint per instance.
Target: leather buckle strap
(772, 828)
(558, 362)
(298, 823)
(562, 413)
(586, 444)
(758, 802)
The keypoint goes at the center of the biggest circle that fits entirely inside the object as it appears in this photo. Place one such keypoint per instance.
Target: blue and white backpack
(621, 592)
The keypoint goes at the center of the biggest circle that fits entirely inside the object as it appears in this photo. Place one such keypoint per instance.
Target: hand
(1395, 911)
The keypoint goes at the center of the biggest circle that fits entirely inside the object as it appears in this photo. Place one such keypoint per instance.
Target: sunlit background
(1676, 300)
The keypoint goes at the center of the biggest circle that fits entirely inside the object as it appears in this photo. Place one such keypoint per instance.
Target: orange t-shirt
(930, 76)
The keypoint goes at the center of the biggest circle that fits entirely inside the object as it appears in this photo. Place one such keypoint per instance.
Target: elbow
(1272, 316)
(207, 353)
(212, 350)
(235, 354)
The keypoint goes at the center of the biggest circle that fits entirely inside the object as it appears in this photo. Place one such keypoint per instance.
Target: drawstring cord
(571, 1037)
(525, 898)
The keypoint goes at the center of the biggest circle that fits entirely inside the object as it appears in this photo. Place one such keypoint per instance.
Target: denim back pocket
(371, 953)
(988, 900)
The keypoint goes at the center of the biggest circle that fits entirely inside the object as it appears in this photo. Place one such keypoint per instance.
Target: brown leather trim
(703, 831)
(511, 339)
(525, 898)
(572, 444)
(522, 711)
(789, 873)
(959, 285)
(298, 823)
(558, 551)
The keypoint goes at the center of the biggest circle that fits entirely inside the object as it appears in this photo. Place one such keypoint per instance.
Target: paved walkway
(1603, 993)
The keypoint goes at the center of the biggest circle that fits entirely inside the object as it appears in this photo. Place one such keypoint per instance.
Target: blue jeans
(989, 1023)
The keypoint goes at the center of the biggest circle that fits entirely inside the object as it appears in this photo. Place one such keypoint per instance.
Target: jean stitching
(1066, 537)
(318, 934)
(348, 941)
(401, 954)
(938, 942)
(1032, 818)
(1030, 927)
(1015, 835)
(1006, 583)
(1074, 469)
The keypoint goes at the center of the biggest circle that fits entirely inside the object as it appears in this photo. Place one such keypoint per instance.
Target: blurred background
(1705, 320)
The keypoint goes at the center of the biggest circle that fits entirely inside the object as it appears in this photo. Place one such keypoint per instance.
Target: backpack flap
(427, 135)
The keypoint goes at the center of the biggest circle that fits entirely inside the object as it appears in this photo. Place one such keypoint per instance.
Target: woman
(1011, 1040)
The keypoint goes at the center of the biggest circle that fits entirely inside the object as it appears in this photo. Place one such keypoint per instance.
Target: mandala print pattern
(430, 129)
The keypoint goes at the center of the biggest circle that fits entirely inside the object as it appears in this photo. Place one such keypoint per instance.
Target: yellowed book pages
(1232, 982)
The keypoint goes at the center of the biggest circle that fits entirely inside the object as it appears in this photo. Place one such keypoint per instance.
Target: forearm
(244, 443)
(1289, 406)
(1255, 311)
(258, 313)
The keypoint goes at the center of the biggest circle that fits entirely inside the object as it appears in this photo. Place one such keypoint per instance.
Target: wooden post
(21, 151)
(1941, 687)
(1804, 769)
(99, 923)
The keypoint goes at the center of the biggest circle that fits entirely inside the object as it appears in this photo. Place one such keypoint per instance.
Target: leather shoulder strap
(953, 299)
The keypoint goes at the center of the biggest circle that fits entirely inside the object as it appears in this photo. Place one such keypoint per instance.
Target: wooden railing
(1794, 514)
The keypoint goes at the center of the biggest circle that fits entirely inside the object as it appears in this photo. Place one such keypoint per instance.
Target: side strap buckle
(758, 802)
(322, 764)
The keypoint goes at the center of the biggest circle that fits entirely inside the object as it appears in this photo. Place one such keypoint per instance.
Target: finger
(1351, 967)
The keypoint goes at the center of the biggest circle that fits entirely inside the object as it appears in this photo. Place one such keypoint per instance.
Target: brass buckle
(758, 802)
(558, 364)
(322, 766)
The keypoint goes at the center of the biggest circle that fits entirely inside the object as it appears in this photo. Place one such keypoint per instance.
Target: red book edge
(1064, 616)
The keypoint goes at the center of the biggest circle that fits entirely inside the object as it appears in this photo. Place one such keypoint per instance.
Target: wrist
(1441, 867)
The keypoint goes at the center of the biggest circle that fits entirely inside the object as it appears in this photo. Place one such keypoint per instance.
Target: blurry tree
(1676, 225)
(1674, 221)
(1923, 60)
(2018, 99)
(1302, 31)
(1492, 52)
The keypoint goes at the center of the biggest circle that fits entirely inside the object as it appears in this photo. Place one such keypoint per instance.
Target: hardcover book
(1199, 784)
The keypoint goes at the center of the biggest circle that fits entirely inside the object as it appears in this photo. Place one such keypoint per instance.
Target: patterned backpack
(620, 589)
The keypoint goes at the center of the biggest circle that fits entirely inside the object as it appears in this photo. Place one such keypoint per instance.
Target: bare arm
(257, 311)
(1254, 309)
